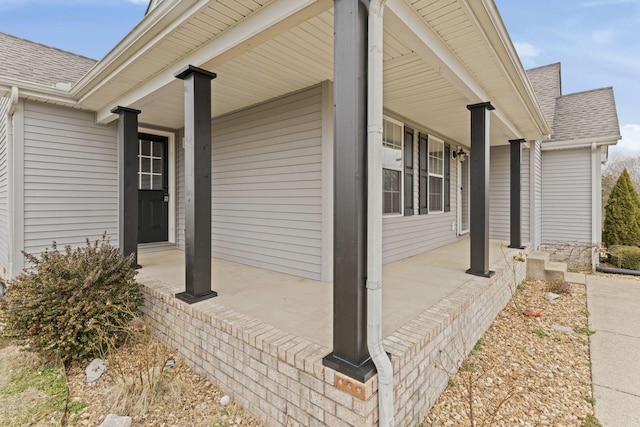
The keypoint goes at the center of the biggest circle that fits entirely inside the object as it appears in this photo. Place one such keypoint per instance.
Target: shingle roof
(585, 115)
(36, 63)
(547, 86)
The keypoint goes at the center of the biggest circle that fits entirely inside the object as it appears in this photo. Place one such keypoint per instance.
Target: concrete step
(536, 264)
(539, 267)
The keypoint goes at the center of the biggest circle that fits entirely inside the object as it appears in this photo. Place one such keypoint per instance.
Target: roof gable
(586, 115)
(37, 63)
(547, 86)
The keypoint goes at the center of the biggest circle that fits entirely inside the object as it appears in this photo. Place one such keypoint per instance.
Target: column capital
(190, 69)
(119, 109)
(517, 141)
(485, 105)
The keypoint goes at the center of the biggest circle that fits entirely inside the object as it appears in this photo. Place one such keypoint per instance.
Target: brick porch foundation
(279, 377)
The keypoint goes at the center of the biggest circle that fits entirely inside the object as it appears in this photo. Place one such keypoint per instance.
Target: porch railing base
(486, 274)
(192, 299)
(361, 373)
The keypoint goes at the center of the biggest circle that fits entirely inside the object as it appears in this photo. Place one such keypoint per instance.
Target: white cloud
(139, 1)
(629, 145)
(527, 52)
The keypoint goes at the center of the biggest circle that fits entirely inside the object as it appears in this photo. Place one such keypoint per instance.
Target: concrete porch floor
(303, 307)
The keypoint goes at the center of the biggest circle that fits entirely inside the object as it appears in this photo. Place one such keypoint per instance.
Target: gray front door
(153, 188)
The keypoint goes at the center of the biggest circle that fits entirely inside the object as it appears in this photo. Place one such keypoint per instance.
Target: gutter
(13, 102)
(581, 143)
(374, 215)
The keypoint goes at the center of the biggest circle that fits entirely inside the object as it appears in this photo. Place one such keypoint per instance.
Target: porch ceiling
(433, 50)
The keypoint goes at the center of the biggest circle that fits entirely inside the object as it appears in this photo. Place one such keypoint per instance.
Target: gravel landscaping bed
(531, 368)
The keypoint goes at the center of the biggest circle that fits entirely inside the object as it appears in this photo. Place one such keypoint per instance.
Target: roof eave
(581, 143)
(149, 31)
(494, 27)
(37, 91)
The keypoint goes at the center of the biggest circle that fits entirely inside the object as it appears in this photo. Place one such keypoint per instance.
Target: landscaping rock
(562, 329)
(95, 370)
(113, 420)
(551, 296)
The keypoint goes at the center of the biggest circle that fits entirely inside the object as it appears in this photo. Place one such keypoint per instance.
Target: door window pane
(145, 165)
(145, 148)
(145, 181)
(157, 166)
(157, 149)
(156, 182)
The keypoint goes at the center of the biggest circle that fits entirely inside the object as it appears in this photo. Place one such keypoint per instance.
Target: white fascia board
(487, 17)
(274, 19)
(36, 91)
(142, 38)
(428, 45)
(580, 143)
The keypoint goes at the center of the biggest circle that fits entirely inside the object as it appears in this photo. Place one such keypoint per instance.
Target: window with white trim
(436, 175)
(392, 145)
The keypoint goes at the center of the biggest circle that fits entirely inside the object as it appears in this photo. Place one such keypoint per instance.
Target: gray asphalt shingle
(36, 63)
(576, 116)
(585, 115)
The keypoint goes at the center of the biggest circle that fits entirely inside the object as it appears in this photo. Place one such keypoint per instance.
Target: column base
(516, 246)
(192, 299)
(361, 373)
(485, 274)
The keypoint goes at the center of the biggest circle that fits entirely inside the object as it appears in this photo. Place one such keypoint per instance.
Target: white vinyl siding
(537, 153)
(566, 196)
(406, 236)
(500, 194)
(525, 200)
(267, 185)
(4, 187)
(70, 178)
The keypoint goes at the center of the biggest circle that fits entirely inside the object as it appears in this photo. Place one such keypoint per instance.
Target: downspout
(374, 216)
(13, 102)
(596, 196)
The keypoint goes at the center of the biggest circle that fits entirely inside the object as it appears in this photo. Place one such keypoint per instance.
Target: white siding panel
(566, 196)
(524, 196)
(4, 187)
(405, 236)
(499, 193)
(267, 185)
(538, 194)
(70, 178)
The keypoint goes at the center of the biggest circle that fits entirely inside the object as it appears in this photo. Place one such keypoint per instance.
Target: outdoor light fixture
(460, 153)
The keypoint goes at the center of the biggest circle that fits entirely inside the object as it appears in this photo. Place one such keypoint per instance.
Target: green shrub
(69, 303)
(625, 257)
(622, 214)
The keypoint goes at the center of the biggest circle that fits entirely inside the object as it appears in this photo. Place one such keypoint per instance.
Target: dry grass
(560, 287)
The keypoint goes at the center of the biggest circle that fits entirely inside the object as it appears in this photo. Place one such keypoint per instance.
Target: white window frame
(400, 169)
(433, 140)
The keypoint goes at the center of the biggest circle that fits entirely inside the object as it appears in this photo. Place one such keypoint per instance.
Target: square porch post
(128, 181)
(350, 354)
(479, 185)
(516, 198)
(197, 169)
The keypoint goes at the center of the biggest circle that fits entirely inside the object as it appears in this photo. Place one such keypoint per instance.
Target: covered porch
(264, 337)
(304, 307)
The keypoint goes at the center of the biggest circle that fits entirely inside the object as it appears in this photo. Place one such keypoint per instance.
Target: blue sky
(597, 41)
